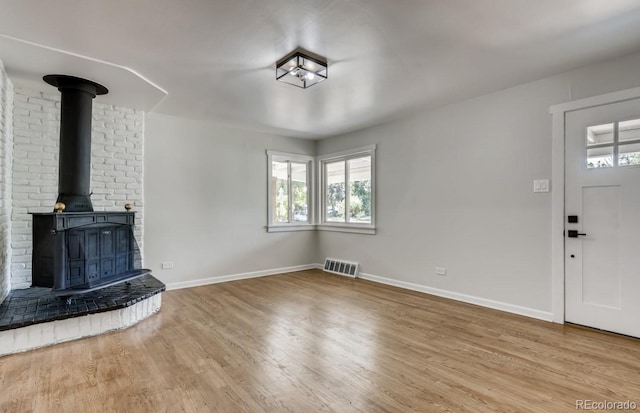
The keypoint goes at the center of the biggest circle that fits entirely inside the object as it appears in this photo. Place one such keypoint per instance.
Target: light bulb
(310, 76)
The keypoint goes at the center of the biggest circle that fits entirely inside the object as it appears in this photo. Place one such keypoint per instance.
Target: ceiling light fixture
(301, 68)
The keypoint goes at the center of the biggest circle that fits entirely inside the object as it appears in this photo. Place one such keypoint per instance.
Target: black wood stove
(77, 250)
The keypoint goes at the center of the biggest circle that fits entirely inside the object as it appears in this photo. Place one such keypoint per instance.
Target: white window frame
(347, 226)
(615, 144)
(273, 156)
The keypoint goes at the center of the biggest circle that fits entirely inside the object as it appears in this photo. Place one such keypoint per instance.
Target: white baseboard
(496, 305)
(235, 277)
(484, 302)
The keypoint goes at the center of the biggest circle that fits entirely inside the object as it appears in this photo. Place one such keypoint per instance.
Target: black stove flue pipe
(74, 177)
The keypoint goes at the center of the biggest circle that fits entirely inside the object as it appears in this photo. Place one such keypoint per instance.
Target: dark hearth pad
(38, 305)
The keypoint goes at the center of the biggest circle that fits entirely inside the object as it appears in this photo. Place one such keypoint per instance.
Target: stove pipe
(74, 176)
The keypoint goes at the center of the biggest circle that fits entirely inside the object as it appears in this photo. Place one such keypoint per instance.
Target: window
(613, 144)
(347, 198)
(289, 192)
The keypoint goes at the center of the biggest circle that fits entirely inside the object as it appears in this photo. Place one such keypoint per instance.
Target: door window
(613, 144)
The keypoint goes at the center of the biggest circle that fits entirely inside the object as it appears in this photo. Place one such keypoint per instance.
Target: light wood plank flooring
(312, 342)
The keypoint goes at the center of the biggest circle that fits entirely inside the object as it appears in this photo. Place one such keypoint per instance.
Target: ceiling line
(92, 59)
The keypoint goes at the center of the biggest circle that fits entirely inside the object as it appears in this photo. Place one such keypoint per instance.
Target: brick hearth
(34, 317)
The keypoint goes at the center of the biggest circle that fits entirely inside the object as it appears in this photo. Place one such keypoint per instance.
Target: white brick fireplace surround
(6, 146)
(29, 147)
(116, 166)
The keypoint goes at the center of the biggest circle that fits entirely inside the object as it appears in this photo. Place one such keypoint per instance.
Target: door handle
(572, 233)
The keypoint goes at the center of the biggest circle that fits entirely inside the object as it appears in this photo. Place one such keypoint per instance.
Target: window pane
(280, 195)
(335, 191)
(360, 190)
(600, 157)
(599, 134)
(629, 154)
(299, 186)
(629, 130)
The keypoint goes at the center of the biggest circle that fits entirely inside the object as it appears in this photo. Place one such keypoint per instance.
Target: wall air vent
(350, 269)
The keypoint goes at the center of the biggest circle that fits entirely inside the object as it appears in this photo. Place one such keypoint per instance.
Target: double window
(345, 194)
(289, 188)
(347, 190)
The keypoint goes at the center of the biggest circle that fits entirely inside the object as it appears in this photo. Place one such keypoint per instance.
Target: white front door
(602, 261)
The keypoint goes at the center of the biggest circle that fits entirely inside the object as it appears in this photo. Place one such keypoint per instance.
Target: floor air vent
(350, 269)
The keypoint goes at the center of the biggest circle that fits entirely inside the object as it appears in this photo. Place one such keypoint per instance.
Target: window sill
(289, 228)
(369, 230)
(323, 227)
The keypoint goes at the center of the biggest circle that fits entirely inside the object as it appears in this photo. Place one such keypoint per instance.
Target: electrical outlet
(541, 185)
(441, 271)
(167, 265)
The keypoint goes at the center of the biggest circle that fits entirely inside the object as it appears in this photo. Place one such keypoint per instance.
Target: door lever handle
(572, 233)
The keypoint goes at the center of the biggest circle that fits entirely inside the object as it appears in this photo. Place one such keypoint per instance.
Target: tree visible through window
(345, 200)
(300, 192)
(348, 190)
(289, 190)
(613, 144)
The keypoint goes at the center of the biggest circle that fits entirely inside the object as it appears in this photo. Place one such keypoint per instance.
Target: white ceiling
(214, 59)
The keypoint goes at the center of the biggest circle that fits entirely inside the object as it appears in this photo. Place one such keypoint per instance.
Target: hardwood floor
(312, 342)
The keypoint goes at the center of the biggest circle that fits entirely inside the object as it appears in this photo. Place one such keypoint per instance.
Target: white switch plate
(541, 185)
(167, 265)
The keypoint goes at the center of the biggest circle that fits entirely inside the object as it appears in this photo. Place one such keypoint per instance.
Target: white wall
(116, 166)
(455, 189)
(206, 201)
(6, 144)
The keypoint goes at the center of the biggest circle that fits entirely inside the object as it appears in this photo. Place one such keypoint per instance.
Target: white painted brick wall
(116, 166)
(6, 146)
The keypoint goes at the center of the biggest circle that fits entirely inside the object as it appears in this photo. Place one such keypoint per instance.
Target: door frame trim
(558, 113)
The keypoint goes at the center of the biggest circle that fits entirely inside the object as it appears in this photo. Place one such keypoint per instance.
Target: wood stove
(77, 250)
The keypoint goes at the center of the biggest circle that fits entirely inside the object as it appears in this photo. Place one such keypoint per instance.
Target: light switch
(541, 185)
